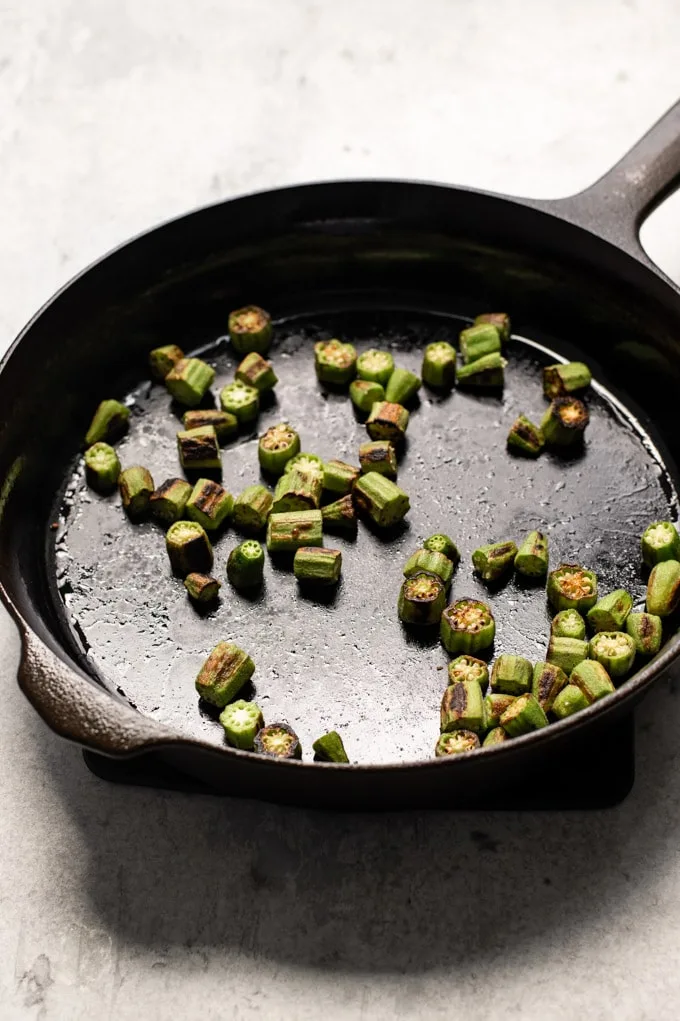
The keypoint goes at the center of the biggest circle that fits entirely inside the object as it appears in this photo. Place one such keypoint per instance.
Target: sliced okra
(592, 679)
(378, 456)
(525, 437)
(335, 362)
(387, 421)
(188, 380)
(339, 477)
(298, 490)
(511, 675)
(564, 379)
(224, 424)
(287, 532)
(364, 394)
(168, 502)
(402, 387)
(307, 463)
(501, 320)
(210, 504)
(523, 716)
(375, 365)
(456, 742)
(163, 359)
(102, 467)
(495, 704)
(202, 588)
(250, 329)
(462, 707)
(610, 612)
(495, 736)
(660, 541)
(245, 565)
(136, 486)
(329, 748)
(188, 548)
(226, 670)
(241, 721)
(439, 365)
(251, 509)
(566, 653)
(547, 682)
(279, 741)
(109, 422)
(571, 587)
(198, 448)
(276, 447)
(486, 373)
(568, 624)
(256, 371)
(494, 560)
(240, 400)
(380, 499)
(478, 341)
(646, 631)
(569, 701)
(615, 650)
(441, 543)
(663, 588)
(340, 516)
(317, 565)
(565, 422)
(467, 626)
(531, 559)
(431, 563)
(467, 668)
(422, 599)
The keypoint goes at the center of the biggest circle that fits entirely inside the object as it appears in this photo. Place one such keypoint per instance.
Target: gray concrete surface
(129, 904)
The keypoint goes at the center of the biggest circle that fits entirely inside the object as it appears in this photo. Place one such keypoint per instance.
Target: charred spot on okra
(210, 504)
(495, 704)
(663, 588)
(547, 682)
(279, 741)
(467, 626)
(202, 588)
(462, 707)
(276, 447)
(298, 489)
(501, 320)
(335, 362)
(378, 456)
(102, 467)
(136, 486)
(306, 463)
(109, 422)
(387, 421)
(287, 532)
(525, 437)
(531, 559)
(188, 381)
(565, 422)
(226, 670)
(250, 329)
(245, 566)
(224, 424)
(646, 630)
(168, 502)
(198, 448)
(340, 516)
(257, 372)
(422, 599)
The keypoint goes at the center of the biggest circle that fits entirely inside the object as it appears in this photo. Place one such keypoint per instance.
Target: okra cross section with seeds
(245, 566)
(568, 624)
(660, 541)
(440, 543)
(335, 362)
(188, 548)
(571, 587)
(467, 626)
(468, 668)
(375, 366)
(565, 422)
(250, 329)
(456, 742)
(241, 721)
(439, 365)
(307, 463)
(224, 673)
(564, 379)
(615, 650)
(422, 599)
(276, 447)
(240, 400)
(279, 741)
(102, 467)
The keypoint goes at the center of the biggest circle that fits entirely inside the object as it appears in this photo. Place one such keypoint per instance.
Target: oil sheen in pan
(344, 661)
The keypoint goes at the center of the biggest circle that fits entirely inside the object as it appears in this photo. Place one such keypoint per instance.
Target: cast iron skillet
(388, 259)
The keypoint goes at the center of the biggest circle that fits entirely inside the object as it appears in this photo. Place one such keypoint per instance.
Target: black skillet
(110, 645)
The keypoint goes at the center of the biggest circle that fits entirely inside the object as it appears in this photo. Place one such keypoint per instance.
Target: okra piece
(571, 587)
(241, 721)
(198, 448)
(569, 701)
(287, 532)
(422, 599)
(201, 587)
(380, 499)
(467, 668)
(387, 421)
(565, 422)
(226, 670)
(250, 329)
(168, 502)
(279, 741)
(660, 541)
(610, 612)
(646, 631)
(462, 707)
(136, 486)
(566, 653)
(256, 371)
(439, 365)
(188, 548)
(430, 562)
(494, 560)
(568, 624)
(524, 715)
(245, 565)
(495, 705)
(329, 748)
(162, 359)
(109, 422)
(297, 490)
(188, 381)
(375, 366)
(525, 437)
(224, 424)
(402, 387)
(467, 626)
(486, 373)
(276, 447)
(592, 679)
(615, 650)
(663, 588)
(456, 742)
(251, 509)
(441, 543)
(478, 341)
(495, 736)
(340, 516)
(501, 320)
(562, 380)
(547, 682)
(317, 565)
(511, 675)
(306, 463)
(339, 477)
(531, 559)
(364, 394)
(378, 456)
(241, 401)
(102, 467)
(210, 504)
(335, 362)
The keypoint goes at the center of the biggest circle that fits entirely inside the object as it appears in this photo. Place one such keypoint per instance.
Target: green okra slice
(317, 565)
(646, 631)
(422, 599)
(287, 532)
(467, 626)
(495, 704)
(210, 504)
(276, 447)
(402, 387)
(564, 379)
(467, 668)
(615, 650)
(547, 682)
(189, 380)
(565, 422)
(494, 560)
(256, 371)
(571, 587)
(102, 467)
(241, 401)
(478, 341)
(169, 501)
(375, 366)
(279, 741)
(224, 424)
(364, 394)
(660, 541)
(226, 670)
(241, 721)
(378, 456)
(486, 373)
(297, 490)
(136, 486)
(163, 359)
(201, 587)
(610, 612)
(568, 624)
(188, 548)
(251, 509)
(566, 653)
(387, 421)
(663, 588)
(501, 320)
(109, 422)
(439, 365)
(441, 543)
(569, 701)
(511, 675)
(525, 437)
(329, 748)
(456, 742)
(335, 362)
(339, 477)
(198, 448)
(495, 736)
(592, 679)
(340, 516)
(429, 562)
(524, 715)
(250, 329)
(245, 565)
(531, 558)
(306, 463)
(462, 707)
(380, 499)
